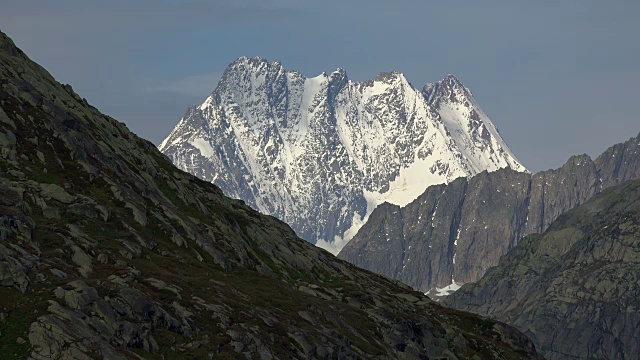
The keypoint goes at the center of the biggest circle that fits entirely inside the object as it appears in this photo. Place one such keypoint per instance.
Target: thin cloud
(194, 85)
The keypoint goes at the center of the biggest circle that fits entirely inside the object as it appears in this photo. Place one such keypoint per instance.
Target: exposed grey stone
(59, 292)
(83, 260)
(161, 285)
(198, 256)
(52, 213)
(14, 268)
(135, 249)
(5, 119)
(59, 273)
(63, 334)
(55, 192)
(8, 145)
(178, 239)
(103, 258)
(81, 297)
(18, 174)
(181, 310)
(41, 156)
(308, 316)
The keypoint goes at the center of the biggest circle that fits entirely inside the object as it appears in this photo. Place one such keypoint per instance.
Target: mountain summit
(321, 153)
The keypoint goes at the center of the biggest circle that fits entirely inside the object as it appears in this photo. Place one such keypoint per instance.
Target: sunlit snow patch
(410, 183)
(204, 146)
(437, 293)
(330, 247)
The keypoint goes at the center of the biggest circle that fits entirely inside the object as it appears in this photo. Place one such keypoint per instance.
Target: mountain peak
(452, 82)
(449, 88)
(451, 79)
(254, 64)
(249, 60)
(337, 81)
(338, 73)
(390, 76)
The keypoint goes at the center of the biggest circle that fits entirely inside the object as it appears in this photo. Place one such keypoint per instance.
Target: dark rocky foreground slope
(574, 290)
(458, 231)
(109, 251)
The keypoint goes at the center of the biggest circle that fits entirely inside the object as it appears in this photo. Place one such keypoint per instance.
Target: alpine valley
(321, 153)
(108, 251)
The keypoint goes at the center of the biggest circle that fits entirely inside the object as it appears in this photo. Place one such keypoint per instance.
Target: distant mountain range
(321, 153)
(453, 233)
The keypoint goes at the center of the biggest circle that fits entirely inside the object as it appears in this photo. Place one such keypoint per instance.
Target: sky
(558, 78)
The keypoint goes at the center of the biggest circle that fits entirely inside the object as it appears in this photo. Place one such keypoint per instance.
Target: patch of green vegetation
(264, 257)
(21, 310)
(102, 194)
(335, 281)
(302, 275)
(180, 203)
(169, 349)
(45, 177)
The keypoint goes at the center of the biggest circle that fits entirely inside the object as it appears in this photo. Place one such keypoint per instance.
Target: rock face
(573, 290)
(453, 233)
(321, 153)
(109, 251)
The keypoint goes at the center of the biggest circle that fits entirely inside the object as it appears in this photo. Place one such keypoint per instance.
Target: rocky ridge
(574, 289)
(109, 251)
(321, 153)
(453, 233)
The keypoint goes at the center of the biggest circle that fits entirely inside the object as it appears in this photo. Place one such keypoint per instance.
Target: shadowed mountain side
(575, 289)
(455, 232)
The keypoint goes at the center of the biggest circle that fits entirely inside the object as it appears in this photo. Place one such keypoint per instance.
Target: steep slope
(321, 153)
(109, 251)
(453, 233)
(575, 289)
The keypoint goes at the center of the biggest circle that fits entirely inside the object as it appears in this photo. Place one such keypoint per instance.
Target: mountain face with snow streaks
(452, 234)
(321, 153)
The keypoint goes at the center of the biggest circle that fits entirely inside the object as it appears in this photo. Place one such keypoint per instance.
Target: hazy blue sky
(557, 77)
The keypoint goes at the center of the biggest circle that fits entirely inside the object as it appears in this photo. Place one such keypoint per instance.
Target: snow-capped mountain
(321, 153)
